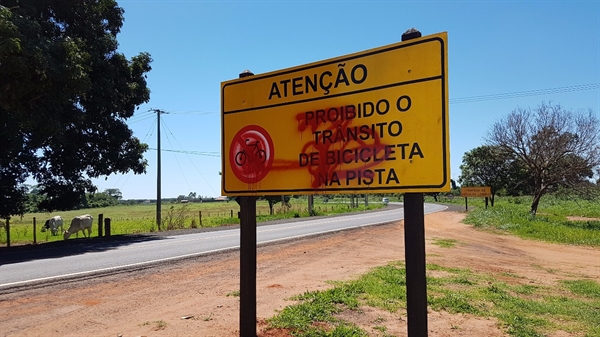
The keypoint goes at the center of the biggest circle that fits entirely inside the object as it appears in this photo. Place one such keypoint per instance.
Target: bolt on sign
(476, 192)
(370, 122)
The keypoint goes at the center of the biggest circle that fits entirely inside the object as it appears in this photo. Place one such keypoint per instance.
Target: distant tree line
(35, 200)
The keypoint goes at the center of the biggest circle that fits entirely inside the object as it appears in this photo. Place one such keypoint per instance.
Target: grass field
(551, 223)
(522, 310)
(135, 219)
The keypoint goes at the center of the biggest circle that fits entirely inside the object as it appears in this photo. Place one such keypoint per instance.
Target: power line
(140, 116)
(149, 133)
(177, 160)
(201, 175)
(460, 100)
(197, 153)
(526, 93)
(140, 119)
(198, 113)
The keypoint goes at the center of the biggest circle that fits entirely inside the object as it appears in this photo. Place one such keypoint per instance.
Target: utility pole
(158, 173)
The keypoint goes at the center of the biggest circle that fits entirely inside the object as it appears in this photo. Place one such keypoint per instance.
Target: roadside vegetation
(559, 220)
(521, 310)
(140, 218)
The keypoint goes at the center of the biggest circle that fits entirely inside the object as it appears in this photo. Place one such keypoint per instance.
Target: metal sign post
(476, 192)
(247, 260)
(414, 253)
(247, 266)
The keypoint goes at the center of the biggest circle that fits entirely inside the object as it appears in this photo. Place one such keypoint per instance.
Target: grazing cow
(52, 224)
(79, 223)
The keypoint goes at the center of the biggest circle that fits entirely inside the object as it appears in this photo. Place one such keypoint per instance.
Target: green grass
(444, 243)
(570, 206)
(235, 293)
(521, 310)
(550, 224)
(136, 219)
(320, 307)
(588, 288)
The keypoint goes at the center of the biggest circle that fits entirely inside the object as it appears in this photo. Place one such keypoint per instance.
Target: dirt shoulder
(195, 297)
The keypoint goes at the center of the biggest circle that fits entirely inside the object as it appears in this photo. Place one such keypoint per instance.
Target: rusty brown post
(34, 233)
(107, 227)
(7, 232)
(100, 217)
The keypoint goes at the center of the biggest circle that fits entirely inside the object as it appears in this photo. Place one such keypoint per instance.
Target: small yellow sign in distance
(476, 192)
(370, 122)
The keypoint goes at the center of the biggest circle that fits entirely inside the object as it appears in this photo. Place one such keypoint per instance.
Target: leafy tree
(434, 195)
(34, 198)
(114, 193)
(486, 166)
(96, 200)
(557, 147)
(66, 94)
(274, 199)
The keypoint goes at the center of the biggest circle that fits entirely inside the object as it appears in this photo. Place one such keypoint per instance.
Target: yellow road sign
(370, 122)
(476, 192)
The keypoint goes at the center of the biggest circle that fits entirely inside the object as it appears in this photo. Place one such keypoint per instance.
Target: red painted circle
(251, 154)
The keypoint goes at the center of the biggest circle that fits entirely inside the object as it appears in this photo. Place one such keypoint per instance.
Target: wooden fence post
(7, 232)
(34, 233)
(107, 227)
(200, 216)
(100, 217)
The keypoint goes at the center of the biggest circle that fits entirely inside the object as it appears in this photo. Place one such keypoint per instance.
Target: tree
(96, 200)
(274, 199)
(114, 193)
(66, 94)
(486, 166)
(34, 198)
(557, 147)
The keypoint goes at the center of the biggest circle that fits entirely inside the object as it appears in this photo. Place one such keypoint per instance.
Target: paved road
(82, 258)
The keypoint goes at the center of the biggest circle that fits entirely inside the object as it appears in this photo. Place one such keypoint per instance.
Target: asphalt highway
(84, 258)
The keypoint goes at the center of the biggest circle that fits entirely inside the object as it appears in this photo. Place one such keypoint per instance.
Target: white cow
(79, 223)
(52, 224)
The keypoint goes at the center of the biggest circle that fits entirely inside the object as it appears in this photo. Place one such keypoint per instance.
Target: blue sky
(513, 49)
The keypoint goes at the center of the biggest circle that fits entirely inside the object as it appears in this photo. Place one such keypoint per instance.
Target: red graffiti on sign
(338, 150)
(251, 154)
